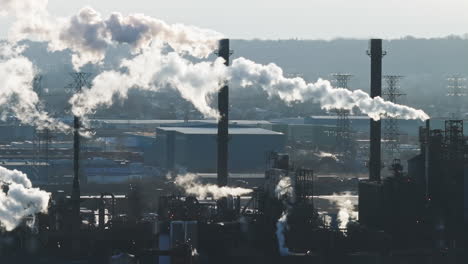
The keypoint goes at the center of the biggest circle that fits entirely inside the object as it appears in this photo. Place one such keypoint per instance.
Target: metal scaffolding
(391, 127)
(343, 127)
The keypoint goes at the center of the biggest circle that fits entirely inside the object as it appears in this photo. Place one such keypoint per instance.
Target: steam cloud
(17, 96)
(196, 82)
(244, 73)
(151, 70)
(18, 199)
(347, 211)
(284, 190)
(192, 186)
(88, 35)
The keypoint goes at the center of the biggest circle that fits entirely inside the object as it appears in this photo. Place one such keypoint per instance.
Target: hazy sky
(309, 19)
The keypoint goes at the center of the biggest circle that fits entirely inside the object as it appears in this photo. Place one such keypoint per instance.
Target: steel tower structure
(391, 128)
(343, 128)
(456, 89)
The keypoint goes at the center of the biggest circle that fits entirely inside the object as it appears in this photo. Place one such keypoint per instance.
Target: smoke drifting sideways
(190, 183)
(284, 191)
(17, 97)
(152, 70)
(198, 82)
(245, 73)
(88, 35)
(18, 199)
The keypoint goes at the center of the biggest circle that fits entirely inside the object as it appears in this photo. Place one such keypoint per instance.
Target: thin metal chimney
(75, 196)
(80, 79)
(223, 122)
(427, 155)
(376, 53)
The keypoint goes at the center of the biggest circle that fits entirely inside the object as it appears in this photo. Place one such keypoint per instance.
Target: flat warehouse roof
(214, 131)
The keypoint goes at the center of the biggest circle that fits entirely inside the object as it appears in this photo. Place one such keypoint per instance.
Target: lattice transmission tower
(456, 89)
(343, 126)
(391, 126)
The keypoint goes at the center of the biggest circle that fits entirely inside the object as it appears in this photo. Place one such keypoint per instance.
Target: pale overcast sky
(305, 19)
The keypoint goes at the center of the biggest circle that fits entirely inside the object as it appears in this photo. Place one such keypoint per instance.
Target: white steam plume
(22, 7)
(285, 191)
(88, 35)
(192, 186)
(245, 73)
(17, 96)
(152, 70)
(18, 199)
(347, 211)
(196, 82)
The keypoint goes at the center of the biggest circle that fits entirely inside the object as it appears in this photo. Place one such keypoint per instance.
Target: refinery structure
(372, 181)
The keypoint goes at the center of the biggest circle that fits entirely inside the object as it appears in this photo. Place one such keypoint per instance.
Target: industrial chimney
(376, 55)
(223, 122)
(75, 196)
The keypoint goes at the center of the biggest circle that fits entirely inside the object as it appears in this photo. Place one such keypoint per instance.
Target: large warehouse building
(194, 148)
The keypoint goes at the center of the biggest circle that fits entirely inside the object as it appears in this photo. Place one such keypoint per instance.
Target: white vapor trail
(88, 35)
(197, 82)
(245, 73)
(284, 191)
(192, 186)
(152, 70)
(18, 199)
(17, 96)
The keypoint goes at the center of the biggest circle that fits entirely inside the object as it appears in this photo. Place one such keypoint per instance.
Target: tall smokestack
(223, 122)
(75, 196)
(80, 80)
(376, 55)
(426, 155)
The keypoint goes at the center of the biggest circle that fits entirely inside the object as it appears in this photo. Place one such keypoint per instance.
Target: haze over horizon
(293, 19)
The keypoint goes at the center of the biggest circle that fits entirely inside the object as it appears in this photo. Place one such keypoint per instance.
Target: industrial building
(194, 148)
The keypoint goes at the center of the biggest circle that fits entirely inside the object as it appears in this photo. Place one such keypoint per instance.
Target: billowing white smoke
(346, 213)
(196, 82)
(245, 73)
(346, 209)
(18, 199)
(22, 7)
(285, 191)
(17, 96)
(152, 70)
(88, 35)
(323, 154)
(192, 186)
